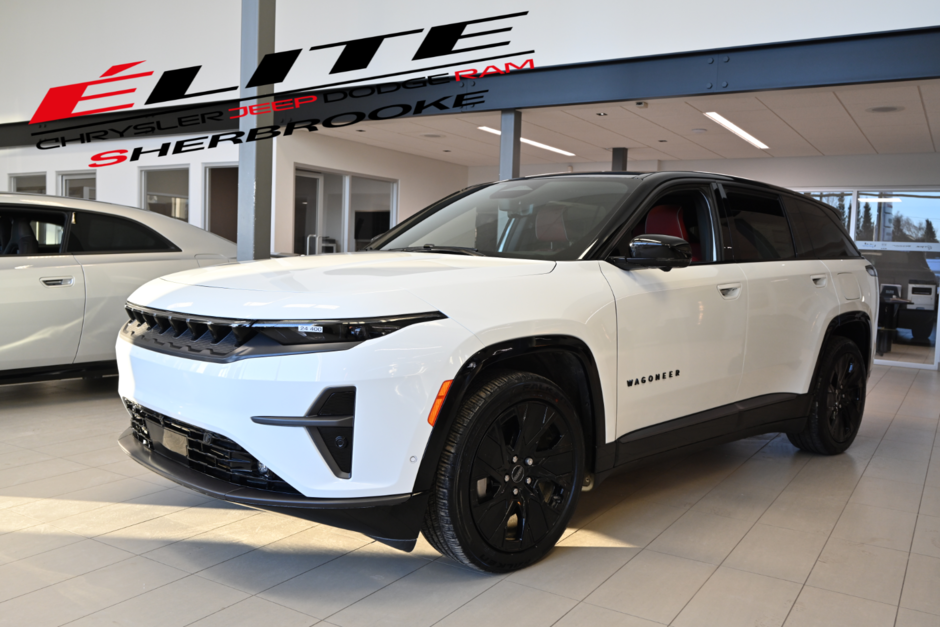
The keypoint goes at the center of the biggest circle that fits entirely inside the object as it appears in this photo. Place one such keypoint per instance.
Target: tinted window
(684, 214)
(30, 232)
(822, 234)
(99, 233)
(759, 228)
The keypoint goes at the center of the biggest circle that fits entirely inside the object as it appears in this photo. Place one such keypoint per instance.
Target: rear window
(820, 233)
(759, 228)
(100, 233)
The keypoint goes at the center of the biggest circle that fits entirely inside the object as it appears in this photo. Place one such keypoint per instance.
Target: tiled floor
(751, 533)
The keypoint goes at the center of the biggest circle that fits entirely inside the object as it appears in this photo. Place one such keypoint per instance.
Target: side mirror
(655, 251)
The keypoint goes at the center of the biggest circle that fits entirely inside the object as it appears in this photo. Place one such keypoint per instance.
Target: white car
(500, 351)
(67, 267)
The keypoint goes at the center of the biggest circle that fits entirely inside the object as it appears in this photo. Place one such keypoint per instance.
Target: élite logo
(59, 102)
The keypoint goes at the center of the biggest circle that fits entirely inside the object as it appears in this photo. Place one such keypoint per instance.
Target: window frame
(727, 188)
(65, 228)
(702, 186)
(171, 247)
(13, 176)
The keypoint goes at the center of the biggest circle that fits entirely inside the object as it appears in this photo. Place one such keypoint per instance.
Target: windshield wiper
(431, 248)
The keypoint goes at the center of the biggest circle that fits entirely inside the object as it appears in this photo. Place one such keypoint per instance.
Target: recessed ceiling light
(662, 141)
(737, 130)
(601, 114)
(446, 151)
(434, 135)
(359, 130)
(530, 142)
(699, 130)
(884, 109)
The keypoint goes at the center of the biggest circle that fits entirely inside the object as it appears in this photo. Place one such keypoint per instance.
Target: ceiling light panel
(737, 130)
(530, 142)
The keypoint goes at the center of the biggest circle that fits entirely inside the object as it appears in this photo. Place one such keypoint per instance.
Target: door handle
(58, 281)
(730, 291)
(820, 280)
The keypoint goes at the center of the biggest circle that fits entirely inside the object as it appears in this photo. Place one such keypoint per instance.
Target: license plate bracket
(175, 442)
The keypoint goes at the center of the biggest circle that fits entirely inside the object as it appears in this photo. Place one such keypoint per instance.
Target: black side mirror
(655, 251)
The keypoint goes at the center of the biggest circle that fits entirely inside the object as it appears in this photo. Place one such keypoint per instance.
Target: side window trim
(766, 193)
(170, 247)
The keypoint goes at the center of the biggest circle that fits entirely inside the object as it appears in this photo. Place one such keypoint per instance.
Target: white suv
(500, 351)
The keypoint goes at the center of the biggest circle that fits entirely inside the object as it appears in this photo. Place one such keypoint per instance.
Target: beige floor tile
(732, 598)
(823, 608)
(14, 456)
(255, 612)
(911, 429)
(927, 537)
(34, 540)
(919, 451)
(866, 524)
(904, 497)
(921, 584)
(179, 603)
(420, 598)
(585, 615)
(805, 511)
(861, 570)
(275, 563)
(328, 589)
(700, 536)
(101, 457)
(117, 516)
(80, 501)
(930, 504)
(514, 604)
(264, 528)
(912, 618)
(933, 474)
(36, 471)
(82, 595)
(653, 586)
(212, 514)
(149, 535)
(199, 552)
(574, 572)
(630, 524)
(897, 469)
(777, 552)
(745, 504)
(12, 521)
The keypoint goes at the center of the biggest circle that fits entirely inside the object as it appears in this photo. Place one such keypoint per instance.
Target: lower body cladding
(192, 423)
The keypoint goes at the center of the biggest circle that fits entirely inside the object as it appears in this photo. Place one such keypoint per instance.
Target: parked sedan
(66, 268)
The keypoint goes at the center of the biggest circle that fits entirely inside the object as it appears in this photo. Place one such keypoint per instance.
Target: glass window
(759, 229)
(30, 232)
(533, 219)
(167, 192)
(371, 204)
(819, 235)
(840, 201)
(99, 233)
(684, 214)
(29, 183)
(78, 186)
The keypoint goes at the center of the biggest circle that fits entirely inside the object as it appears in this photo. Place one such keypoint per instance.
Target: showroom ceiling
(793, 123)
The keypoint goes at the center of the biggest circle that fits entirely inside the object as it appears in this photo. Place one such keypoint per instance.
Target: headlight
(293, 332)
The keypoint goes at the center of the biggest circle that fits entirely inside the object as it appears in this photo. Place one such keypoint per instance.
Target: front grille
(206, 452)
(196, 336)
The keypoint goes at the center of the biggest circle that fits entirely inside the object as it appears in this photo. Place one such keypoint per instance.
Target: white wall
(421, 181)
(121, 183)
(848, 172)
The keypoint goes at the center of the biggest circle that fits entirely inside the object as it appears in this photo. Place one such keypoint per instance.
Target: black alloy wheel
(838, 400)
(510, 475)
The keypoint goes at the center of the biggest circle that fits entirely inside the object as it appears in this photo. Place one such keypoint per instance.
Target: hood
(357, 273)
(336, 286)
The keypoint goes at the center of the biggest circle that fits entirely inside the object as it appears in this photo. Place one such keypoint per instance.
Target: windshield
(554, 219)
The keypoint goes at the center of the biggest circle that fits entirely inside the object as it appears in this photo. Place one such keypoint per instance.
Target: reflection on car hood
(357, 273)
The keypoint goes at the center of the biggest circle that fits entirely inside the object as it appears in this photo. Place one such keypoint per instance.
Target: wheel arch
(565, 360)
(855, 326)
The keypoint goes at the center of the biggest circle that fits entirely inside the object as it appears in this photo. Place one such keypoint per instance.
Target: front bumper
(394, 520)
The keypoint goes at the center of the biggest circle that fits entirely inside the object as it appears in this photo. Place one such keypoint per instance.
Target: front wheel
(509, 476)
(838, 400)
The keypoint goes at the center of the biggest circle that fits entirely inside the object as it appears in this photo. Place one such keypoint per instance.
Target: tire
(509, 477)
(838, 401)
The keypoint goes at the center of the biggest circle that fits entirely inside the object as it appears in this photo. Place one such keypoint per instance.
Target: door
(308, 189)
(117, 255)
(791, 297)
(680, 334)
(42, 291)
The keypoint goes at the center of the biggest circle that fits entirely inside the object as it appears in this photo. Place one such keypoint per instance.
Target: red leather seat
(668, 220)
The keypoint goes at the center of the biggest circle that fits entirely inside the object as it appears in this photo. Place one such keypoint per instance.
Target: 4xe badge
(669, 374)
